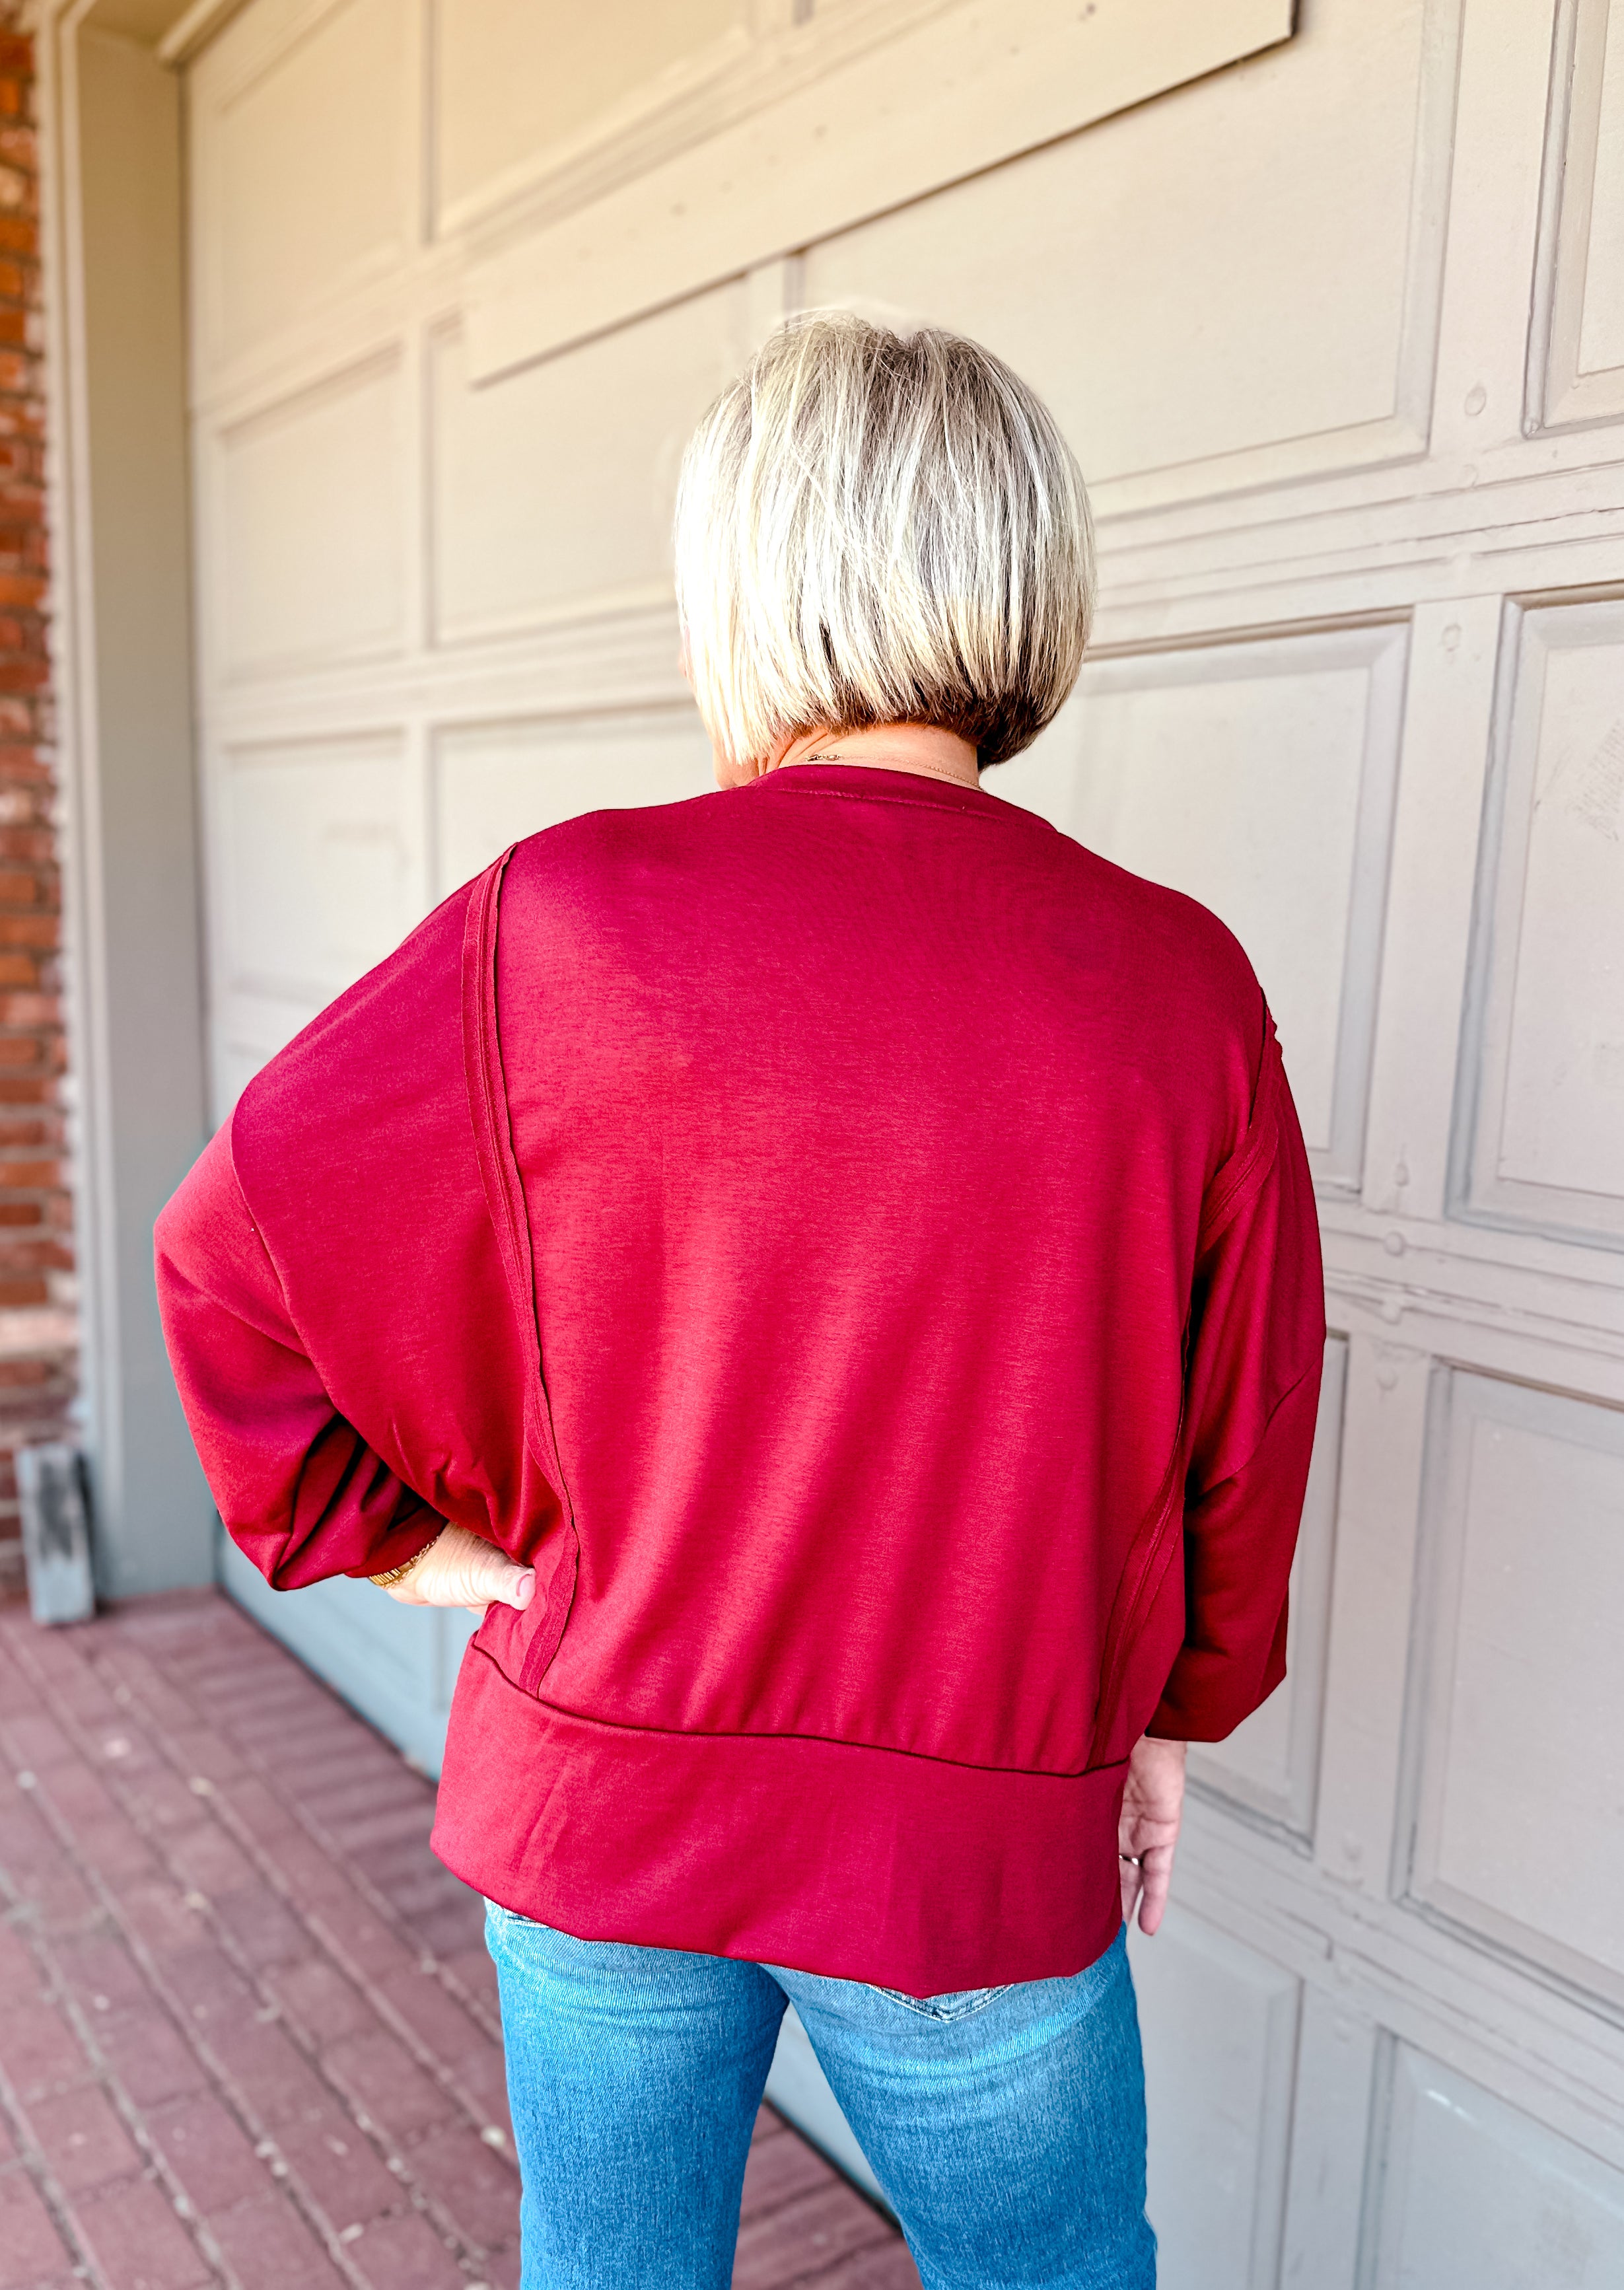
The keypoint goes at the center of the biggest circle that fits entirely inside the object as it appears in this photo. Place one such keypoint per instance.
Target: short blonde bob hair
(875, 527)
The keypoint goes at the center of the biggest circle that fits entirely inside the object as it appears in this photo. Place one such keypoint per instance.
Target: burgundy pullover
(857, 1244)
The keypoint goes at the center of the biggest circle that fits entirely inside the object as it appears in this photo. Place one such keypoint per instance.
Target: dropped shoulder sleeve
(1257, 1345)
(343, 1329)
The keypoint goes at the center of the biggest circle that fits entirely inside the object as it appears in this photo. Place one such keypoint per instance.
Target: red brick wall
(36, 1324)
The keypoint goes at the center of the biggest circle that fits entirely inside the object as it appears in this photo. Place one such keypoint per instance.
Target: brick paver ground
(248, 2028)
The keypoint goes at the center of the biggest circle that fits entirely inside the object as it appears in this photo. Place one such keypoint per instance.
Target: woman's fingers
(1132, 1883)
(514, 1586)
(462, 1569)
(1146, 1880)
(1152, 1807)
(1157, 1876)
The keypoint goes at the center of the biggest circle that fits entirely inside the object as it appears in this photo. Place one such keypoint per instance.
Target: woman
(829, 1269)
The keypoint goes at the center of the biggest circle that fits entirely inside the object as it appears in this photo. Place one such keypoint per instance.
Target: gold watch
(398, 1573)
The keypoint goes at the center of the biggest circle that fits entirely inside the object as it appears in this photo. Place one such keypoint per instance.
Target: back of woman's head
(875, 527)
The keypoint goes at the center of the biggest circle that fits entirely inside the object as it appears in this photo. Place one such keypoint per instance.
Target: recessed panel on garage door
(1513, 1717)
(1219, 2023)
(1191, 325)
(1476, 2195)
(553, 486)
(305, 502)
(1259, 779)
(1581, 292)
(520, 80)
(321, 874)
(1543, 1110)
(305, 190)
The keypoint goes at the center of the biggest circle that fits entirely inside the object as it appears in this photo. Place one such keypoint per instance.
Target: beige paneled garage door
(1336, 324)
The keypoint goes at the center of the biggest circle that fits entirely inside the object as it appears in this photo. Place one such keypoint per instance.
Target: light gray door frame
(112, 244)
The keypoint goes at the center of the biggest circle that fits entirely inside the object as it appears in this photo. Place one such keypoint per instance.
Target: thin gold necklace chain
(878, 763)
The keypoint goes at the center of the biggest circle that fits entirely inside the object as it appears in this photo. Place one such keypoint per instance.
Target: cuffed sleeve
(299, 1489)
(356, 1362)
(1257, 1336)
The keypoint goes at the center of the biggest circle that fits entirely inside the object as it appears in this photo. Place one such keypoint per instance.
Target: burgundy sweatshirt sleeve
(1252, 1393)
(356, 1357)
(299, 1489)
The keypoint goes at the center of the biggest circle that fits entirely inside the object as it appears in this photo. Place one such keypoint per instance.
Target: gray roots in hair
(875, 527)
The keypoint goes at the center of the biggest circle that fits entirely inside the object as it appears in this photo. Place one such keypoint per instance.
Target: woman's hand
(1151, 1807)
(461, 1569)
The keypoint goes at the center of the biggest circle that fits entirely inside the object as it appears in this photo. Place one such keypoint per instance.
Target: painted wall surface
(1336, 325)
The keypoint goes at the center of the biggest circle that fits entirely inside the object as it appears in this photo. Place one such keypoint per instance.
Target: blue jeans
(1006, 2125)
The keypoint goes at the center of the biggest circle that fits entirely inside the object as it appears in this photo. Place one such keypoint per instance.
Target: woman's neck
(923, 748)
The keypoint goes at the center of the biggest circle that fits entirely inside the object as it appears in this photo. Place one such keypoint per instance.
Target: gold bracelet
(399, 1574)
